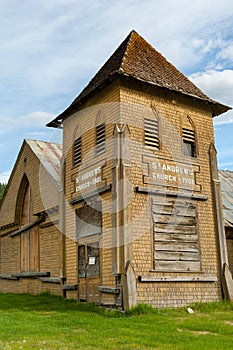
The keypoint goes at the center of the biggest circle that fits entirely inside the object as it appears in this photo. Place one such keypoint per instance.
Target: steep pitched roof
(137, 59)
(49, 154)
(226, 180)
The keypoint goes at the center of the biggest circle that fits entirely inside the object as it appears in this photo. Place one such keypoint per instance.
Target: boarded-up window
(151, 131)
(89, 220)
(189, 146)
(176, 243)
(100, 138)
(29, 239)
(25, 210)
(77, 151)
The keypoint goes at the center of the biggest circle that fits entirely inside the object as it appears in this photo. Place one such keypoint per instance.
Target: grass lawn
(50, 322)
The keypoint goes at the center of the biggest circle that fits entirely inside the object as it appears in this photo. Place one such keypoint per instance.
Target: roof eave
(216, 107)
(56, 123)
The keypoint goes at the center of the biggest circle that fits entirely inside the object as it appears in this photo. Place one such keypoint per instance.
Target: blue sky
(51, 49)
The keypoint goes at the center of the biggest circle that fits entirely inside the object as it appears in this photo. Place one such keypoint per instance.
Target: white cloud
(226, 118)
(225, 165)
(50, 50)
(4, 177)
(36, 119)
(216, 84)
(31, 120)
(227, 52)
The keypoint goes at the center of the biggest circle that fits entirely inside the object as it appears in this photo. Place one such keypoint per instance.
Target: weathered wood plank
(167, 228)
(70, 287)
(171, 193)
(176, 256)
(177, 220)
(176, 247)
(50, 279)
(174, 211)
(30, 274)
(163, 201)
(110, 290)
(175, 237)
(177, 279)
(177, 266)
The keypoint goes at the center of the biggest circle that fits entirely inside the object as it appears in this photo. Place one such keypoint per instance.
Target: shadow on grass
(53, 303)
(47, 302)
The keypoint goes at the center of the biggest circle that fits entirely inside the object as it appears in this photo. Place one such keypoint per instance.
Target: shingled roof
(135, 58)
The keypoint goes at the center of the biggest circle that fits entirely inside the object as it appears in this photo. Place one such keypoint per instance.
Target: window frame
(86, 218)
(189, 139)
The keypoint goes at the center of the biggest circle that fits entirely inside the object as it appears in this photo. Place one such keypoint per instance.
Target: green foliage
(141, 309)
(51, 322)
(2, 189)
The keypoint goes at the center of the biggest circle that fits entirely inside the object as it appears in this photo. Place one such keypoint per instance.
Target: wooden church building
(129, 210)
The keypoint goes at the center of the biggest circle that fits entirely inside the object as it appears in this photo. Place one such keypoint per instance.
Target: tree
(2, 189)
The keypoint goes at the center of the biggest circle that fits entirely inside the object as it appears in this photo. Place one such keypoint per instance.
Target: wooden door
(34, 249)
(24, 251)
(89, 272)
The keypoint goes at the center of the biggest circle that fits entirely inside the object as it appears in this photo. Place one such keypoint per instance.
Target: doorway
(89, 229)
(89, 272)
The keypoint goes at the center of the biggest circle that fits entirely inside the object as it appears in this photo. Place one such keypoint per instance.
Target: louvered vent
(151, 133)
(77, 152)
(188, 135)
(100, 138)
(189, 146)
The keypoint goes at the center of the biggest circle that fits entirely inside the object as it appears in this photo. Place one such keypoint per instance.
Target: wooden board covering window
(176, 243)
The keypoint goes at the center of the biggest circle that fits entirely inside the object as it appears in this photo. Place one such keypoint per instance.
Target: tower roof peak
(135, 58)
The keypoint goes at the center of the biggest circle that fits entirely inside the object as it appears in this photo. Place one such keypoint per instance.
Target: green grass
(50, 322)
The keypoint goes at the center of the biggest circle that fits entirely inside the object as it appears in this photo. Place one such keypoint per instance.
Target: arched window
(29, 237)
